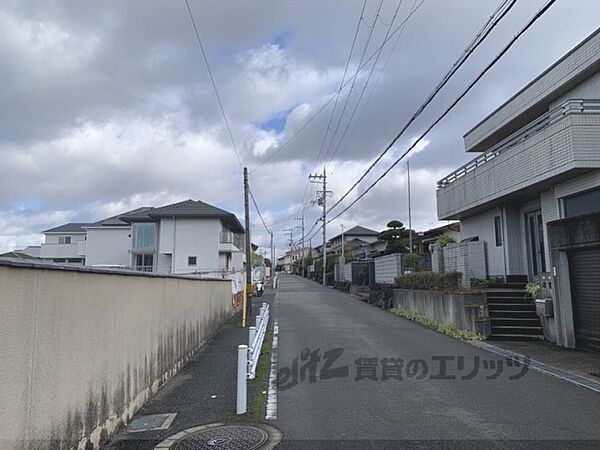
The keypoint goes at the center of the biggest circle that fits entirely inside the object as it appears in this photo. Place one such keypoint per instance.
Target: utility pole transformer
(248, 306)
(323, 202)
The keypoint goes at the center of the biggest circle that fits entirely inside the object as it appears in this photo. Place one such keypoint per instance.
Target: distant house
(353, 237)
(425, 238)
(531, 196)
(19, 254)
(186, 237)
(109, 240)
(65, 243)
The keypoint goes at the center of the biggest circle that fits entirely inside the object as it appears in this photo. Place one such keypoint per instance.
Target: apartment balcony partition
(554, 147)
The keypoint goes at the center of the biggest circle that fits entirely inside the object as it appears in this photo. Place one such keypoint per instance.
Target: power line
(347, 98)
(332, 98)
(258, 211)
(481, 35)
(212, 79)
(364, 88)
(539, 14)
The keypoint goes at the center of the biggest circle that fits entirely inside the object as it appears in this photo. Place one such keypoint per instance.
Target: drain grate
(151, 422)
(219, 436)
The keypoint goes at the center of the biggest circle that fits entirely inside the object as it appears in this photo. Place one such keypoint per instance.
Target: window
(582, 203)
(143, 262)
(144, 235)
(498, 230)
(191, 260)
(64, 239)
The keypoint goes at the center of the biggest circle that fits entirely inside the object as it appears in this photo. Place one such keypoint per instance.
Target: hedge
(429, 281)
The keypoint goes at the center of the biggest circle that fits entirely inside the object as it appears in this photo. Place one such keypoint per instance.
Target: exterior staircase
(512, 315)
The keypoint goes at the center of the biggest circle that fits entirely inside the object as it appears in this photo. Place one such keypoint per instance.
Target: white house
(529, 202)
(186, 237)
(108, 241)
(65, 244)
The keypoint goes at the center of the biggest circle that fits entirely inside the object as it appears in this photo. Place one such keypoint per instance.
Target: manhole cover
(224, 437)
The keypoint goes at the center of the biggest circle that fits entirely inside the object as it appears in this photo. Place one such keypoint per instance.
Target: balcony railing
(553, 116)
(143, 268)
(226, 237)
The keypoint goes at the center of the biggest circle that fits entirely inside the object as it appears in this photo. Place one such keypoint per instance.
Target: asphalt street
(473, 400)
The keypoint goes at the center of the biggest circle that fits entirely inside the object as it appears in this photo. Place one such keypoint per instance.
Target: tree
(396, 237)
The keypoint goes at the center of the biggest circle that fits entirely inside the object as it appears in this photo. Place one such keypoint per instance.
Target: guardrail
(248, 357)
(567, 108)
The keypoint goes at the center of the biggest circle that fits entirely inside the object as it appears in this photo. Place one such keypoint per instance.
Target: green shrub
(443, 240)
(412, 261)
(480, 283)
(533, 290)
(429, 281)
(444, 328)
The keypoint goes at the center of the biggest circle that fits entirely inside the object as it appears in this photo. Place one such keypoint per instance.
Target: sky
(108, 105)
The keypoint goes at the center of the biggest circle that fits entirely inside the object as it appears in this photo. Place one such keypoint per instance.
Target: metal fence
(248, 357)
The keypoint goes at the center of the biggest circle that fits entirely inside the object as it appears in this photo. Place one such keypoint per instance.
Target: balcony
(228, 242)
(553, 147)
(48, 251)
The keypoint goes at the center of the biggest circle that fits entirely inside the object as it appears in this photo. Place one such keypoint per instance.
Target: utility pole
(302, 242)
(410, 244)
(272, 256)
(323, 202)
(248, 297)
(343, 260)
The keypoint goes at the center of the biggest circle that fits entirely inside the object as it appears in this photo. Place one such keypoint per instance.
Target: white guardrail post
(241, 379)
(248, 356)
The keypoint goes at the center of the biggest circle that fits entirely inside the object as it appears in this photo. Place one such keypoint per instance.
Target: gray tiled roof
(356, 231)
(116, 221)
(72, 227)
(17, 254)
(186, 209)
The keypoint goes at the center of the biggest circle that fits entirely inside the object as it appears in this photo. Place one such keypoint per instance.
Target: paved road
(341, 410)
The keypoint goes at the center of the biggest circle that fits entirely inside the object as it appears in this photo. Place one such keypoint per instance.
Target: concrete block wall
(387, 268)
(467, 258)
(82, 350)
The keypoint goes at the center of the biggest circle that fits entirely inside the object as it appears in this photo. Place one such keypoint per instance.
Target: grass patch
(260, 384)
(444, 328)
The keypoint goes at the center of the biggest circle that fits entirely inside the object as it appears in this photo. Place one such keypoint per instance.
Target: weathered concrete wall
(82, 351)
(458, 309)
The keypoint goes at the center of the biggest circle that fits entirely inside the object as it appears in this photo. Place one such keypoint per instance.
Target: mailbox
(544, 307)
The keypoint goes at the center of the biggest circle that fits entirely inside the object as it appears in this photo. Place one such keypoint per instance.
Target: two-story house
(65, 244)
(186, 237)
(537, 166)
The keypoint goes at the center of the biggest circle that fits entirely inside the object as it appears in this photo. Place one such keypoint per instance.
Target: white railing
(248, 356)
(531, 129)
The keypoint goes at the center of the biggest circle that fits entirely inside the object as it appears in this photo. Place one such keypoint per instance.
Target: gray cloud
(107, 105)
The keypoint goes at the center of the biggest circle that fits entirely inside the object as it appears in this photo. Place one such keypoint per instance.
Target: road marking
(541, 367)
(271, 413)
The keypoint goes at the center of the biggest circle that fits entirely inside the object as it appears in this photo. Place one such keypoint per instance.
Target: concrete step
(523, 330)
(514, 314)
(507, 286)
(508, 299)
(511, 307)
(515, 337)
(515, 322)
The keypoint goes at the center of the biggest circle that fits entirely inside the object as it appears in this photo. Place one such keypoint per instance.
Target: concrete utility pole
(343, 260)
(302, 242)
(410, 244)
(272, 256)
(323, 202)
(248, 306)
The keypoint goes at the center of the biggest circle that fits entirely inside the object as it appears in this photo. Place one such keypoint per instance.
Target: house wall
(195, 237)
(467, 258)
(53, 238)
(82, 350)
(574, 65)
(108, 246)
(482, 225)
(587, 89)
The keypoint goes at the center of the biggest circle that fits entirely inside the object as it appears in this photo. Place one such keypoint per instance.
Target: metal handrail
(572, 106)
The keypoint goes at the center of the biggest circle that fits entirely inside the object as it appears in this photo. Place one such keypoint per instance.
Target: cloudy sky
(107, 105)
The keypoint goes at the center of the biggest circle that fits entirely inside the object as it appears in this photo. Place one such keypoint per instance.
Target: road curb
(540, 366)
(271, 409)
